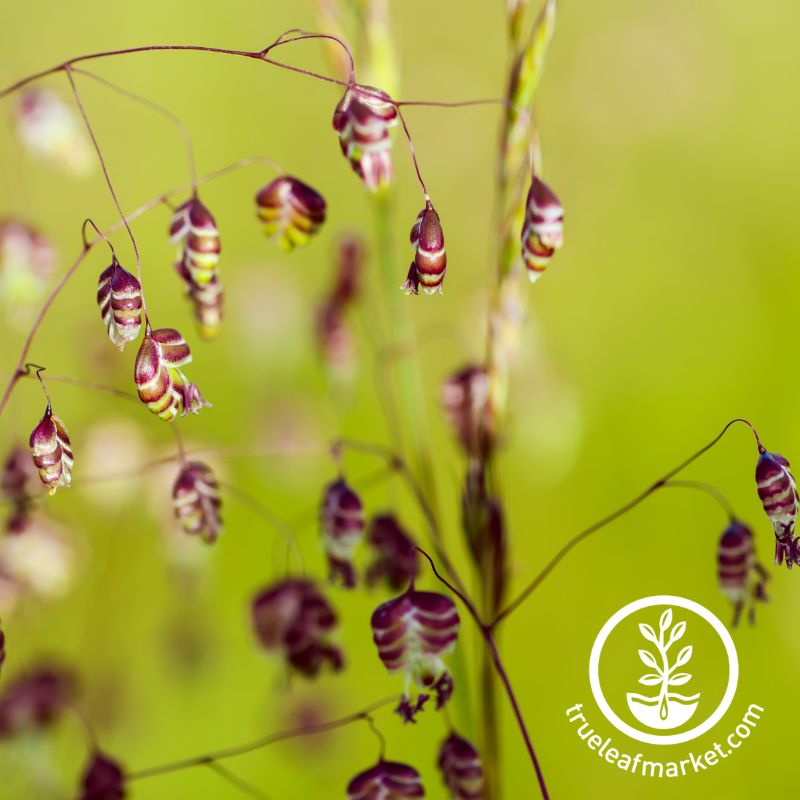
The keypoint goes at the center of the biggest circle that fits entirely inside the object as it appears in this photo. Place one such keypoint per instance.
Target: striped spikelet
(292, 212)
(363, 120)
(543, 229)
(413, 632)
(193, 226)
(160, 383)
(119, 295)
(52, 451)
(778, 494)
(208, 302)
(430, 259)
(741, 578)
(293, 618)
(196, 501)
(387, 780)
(342, 530)
(461, 768)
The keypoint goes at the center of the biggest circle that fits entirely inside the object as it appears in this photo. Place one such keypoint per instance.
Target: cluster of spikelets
(292, 212)
(459, 764)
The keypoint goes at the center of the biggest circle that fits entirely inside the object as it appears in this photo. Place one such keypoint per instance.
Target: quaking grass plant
(416, 631)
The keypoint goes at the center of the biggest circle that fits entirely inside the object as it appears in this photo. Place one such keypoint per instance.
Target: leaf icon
(666, 620)
(651, 679)
(684, 655)
(649, 660)
(680, 679)
(648, 632)
(677, 632)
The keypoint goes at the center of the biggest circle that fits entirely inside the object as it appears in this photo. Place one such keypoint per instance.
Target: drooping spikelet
(342, 530)
(207, 302)
(196, 501)
(778, 494)
(363, 119)
(52, 451)
(543, 228)
(27, 259)
(387, 780)
(466, 399)
(161, 384)
(461, 768)
(396, 559)
(34, 699)
(103, 779)
(333, 335)
(294, 618)
(194, 227)
(51, 131)
(14, 479)
(119, 295)
(741, 577)
(413, 632)
(292, 212)
(430, 259)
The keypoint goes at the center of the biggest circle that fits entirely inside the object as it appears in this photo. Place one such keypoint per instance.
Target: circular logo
(654, 642)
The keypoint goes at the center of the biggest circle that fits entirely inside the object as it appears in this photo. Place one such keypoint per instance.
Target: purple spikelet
(461, 768)
(413, 632)
(342, 530)
(387, 780)
(294, 619)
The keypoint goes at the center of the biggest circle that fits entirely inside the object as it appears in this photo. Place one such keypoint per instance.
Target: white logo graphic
(665, 656)
(666, 709)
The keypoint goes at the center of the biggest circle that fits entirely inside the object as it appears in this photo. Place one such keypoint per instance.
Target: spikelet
(461, 768)
(387, 780)
(196, 501)
(292, 212)
(27, 259)
(543, 228)
(430, 259)
(52, 451)
(412, 633)
(119, 296)
(103, 779)
(363, 120)
(51, 131)
(741, 578)
(294, 618)
(194, 227)
(160, 383)
(342, 530)
(34, 700)
(396, 559)
(207, 302)
(778, 494)
(14, 479)
(466, 399)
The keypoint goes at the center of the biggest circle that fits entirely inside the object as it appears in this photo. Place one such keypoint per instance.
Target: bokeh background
(669, 132)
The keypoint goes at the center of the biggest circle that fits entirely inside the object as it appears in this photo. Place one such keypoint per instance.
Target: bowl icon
(663, 713)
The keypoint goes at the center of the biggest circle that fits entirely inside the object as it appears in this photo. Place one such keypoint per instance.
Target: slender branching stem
(413, 155)
(234, 780)
(95, 387)
(270, 517)
(158, 108)
(612, 517)
(708, 489)
(487, 634)
(110, 185)
(262, 742)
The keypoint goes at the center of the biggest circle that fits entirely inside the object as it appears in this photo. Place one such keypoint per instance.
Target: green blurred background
(670, 135)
